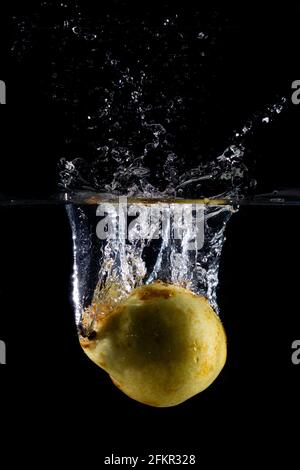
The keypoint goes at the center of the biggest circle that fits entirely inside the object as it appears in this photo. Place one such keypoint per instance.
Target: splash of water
(107, 270)
(134, 128)
(136, 92)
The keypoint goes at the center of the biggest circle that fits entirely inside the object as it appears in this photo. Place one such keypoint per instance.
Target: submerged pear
(161, 345)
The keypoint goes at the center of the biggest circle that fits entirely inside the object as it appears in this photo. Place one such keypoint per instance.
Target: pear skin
(162, 345)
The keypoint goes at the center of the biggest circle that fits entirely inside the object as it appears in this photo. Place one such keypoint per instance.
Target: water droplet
(201, 35)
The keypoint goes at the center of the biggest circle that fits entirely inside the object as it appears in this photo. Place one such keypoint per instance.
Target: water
(105, 273)
(138, 96)
(137, 115)
(137, 91)
(174, 242)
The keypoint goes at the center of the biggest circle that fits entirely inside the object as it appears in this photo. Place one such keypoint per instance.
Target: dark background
(52, 397)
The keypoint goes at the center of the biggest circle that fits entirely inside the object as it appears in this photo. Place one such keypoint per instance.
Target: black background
(52, 398)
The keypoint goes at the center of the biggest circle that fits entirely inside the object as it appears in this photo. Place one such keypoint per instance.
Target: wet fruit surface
(161, 345)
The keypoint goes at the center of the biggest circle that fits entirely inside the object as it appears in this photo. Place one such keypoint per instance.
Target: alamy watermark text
(2, 92)
(296, 93)
(130, 221)
(296, 352)
(2, 352)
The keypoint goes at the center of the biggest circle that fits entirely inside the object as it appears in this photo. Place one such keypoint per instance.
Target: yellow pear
(161, 345)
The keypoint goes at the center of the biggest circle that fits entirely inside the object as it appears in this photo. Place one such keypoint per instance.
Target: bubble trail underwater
(136, 93)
